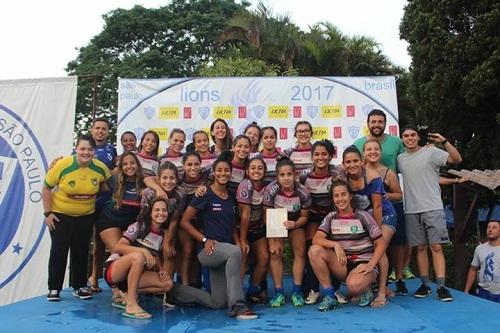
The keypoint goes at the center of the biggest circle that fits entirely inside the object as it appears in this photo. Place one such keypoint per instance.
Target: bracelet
(46, 214)
(444, 142)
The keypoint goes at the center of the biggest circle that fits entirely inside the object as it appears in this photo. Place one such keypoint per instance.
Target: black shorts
(315, 218)
(105, 222)
(353, 264)
(108, 266)
(255, 235)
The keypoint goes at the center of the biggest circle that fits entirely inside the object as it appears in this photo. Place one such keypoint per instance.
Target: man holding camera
(424, 211)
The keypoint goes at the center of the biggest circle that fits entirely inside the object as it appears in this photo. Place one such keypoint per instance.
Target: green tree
(238, 66)
(455, 71)
(174, 40)
(261, 35)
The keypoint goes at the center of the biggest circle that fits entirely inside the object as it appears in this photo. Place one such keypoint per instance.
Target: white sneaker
(341, 298)
(312, 297)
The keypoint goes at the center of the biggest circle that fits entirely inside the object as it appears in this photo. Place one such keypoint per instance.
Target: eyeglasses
(303, 131)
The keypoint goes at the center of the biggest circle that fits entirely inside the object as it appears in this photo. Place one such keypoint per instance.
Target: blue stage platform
(403, 314)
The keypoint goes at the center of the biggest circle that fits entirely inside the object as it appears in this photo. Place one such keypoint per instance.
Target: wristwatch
(204, 240)
(46, 214)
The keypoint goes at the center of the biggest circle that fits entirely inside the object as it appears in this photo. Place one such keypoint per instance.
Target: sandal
(137, 315)
(118, 305)
(379, 302)
(94, 287)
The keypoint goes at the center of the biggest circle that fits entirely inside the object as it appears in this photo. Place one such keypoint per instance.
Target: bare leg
(298, 242)
(358, 284)
(438, 261)
(380, 300)
(276, 261)
(110, 238)
(261, 254)
(187, 250)
(422, 260)
(324, 261)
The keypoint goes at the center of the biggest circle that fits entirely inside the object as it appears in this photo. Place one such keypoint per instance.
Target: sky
(39, 38)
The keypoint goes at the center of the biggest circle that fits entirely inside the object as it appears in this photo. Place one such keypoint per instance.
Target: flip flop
(118, 305)
(379, 302)
(142, 315)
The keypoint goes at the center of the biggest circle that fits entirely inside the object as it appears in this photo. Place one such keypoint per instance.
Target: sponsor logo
(22, 169)
(224, 112)
(169, 112)
(162, 133)
(188, 114)
(242, 111)
(350, 110)
(337, 132)
(278, 111)
(393, 130)
(297, 111)
(320, 133)
(331, 111)
(283, 133)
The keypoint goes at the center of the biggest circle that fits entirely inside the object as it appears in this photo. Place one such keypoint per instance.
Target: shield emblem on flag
(367, 108)
(149, 112)
(312, 111)
(139, 132)
(353, 131)
(204, 112)
(258, 111)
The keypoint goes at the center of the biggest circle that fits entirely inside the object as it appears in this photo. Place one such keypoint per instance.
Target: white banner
(335, 106)
(36, 125)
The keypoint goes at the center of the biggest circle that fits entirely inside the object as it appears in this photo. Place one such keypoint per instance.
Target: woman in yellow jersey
(69, 195)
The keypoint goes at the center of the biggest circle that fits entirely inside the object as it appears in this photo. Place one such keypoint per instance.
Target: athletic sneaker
(422, 291)
(328, 303)
(312, 297)
(256, 298)
(366, 298)
(392, 276)
(401, 288)
(408, 274)
(53, 296)
(241, 311)
(297, 299)
(444, 294)
(277, 300)
(341, 298)
(82, 293)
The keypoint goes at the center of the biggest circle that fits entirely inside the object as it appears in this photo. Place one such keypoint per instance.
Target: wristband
(444, 142)
(46, 214)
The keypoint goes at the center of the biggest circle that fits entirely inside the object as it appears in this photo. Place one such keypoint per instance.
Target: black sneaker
(401, 288)
(422, 291)
(82, 293)
(256, 298)
(444, 294)
(241, 311)
(53, 296)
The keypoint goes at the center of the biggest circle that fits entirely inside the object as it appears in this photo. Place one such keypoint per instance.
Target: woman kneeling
(348, 244)
(135, 266)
